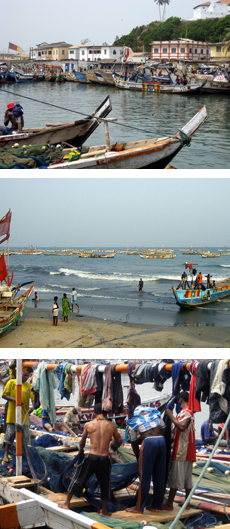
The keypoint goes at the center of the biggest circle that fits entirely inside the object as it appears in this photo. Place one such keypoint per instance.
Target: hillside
(208, 30)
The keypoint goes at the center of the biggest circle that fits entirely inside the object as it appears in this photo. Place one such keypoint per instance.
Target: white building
(218, 9)
(89, 53)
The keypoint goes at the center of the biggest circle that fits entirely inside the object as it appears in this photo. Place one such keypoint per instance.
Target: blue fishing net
(204, 519)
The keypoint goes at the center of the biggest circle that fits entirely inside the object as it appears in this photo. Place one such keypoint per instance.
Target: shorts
(92, 464)
(10, 433)
(6, 131)
(181, 475)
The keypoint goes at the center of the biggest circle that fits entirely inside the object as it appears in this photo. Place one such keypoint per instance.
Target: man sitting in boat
(200, 284)
(152, 455)
(10, 117)
(208, 433)
(71, 420)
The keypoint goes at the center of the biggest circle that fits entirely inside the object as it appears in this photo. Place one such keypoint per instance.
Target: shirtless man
(10, 117)
(147, 422)
(101, 432)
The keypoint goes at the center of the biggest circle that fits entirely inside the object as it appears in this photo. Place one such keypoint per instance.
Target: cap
(10, 105)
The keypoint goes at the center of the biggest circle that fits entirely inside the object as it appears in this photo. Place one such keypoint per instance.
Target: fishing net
(217, 480)
(29, 156)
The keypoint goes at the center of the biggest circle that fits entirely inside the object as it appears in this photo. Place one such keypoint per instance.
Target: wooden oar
(68, 429)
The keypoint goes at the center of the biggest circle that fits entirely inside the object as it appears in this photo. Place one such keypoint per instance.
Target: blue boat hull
(195, 298)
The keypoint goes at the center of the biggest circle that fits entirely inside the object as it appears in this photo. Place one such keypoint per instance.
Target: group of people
(197, 284)
(14, 116)
(66, 308)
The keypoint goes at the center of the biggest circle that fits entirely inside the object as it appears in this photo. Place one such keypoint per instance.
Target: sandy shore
(35, 330)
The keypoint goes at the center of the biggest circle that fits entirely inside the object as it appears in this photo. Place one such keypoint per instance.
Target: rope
(91, 116)
(183, 138)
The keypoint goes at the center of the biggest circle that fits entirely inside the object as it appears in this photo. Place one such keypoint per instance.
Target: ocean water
(108, 288)
(139, 116)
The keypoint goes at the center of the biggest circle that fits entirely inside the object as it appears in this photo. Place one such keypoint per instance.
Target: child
(55, 311)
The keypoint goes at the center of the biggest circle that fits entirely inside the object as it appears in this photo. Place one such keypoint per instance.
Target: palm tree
(162, 3)
(226, 41)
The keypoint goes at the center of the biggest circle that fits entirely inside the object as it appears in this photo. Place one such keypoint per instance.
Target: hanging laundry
(89, 382)
(45, 384)
(218, 404)
(159, 375)
(69, 377)
(84, 401)
(112, 395)
(202, 386)
(140, 374)
(60, 371)
(180, 381)
(133, 399)
(193, 403)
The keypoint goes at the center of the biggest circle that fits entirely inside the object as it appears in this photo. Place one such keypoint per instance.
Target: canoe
(157, 256)
(195, 298)
(152, 86)
(220, 84)
(11, 311)
(155, 153)
(75, 132)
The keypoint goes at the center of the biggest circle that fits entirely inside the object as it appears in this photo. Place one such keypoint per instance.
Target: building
(218, 9)
(94, 53)
(217, 53)
(179, 50)
(56, 51)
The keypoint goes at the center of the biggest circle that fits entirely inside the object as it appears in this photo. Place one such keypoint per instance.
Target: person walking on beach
(147, 422)
(65, 308)
(55, 311)
(101, 432)
(141, 284)
(9, 394)
(184, 452)
(74, 299)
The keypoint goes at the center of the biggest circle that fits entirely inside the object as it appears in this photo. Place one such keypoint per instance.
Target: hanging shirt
(27, 394)
(184, 446)
(143, 423)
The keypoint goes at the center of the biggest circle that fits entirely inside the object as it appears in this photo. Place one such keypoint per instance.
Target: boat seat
(5, 314)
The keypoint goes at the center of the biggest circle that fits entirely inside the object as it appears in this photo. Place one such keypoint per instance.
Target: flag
(127, 54)
(3, 269)
(14, 47)
(5, 226)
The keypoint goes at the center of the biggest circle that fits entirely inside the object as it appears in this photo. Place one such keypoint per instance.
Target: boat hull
(157, 87)
(13, 312)
(196, 298)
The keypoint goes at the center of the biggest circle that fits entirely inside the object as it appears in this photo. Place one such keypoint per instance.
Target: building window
(114, 52)
(182, 50)
(56, 52)
(173, 50)
(63, 52)
(156, 50)
(105, 51)
(201, 51)
(218, 48)
(207, 52)
(195, 50)
(42, 52)
(83, 53)
(50, 52)
(39, 54)
(190, 50)
(45, 52)
(71, 52)
(165, 50)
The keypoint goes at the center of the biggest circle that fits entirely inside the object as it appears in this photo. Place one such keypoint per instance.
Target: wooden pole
(120, 368)
(18, 418)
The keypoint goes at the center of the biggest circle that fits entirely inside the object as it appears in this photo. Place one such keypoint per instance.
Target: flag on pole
(14, 47)
(5, 226)
(127, 54)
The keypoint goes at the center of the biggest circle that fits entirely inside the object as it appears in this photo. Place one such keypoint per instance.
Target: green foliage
(207, 30)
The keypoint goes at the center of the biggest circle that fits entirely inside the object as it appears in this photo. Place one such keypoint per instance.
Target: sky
(32, 23)
(114, 212)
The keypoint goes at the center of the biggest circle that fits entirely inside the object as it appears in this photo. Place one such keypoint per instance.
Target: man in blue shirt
(207, 433)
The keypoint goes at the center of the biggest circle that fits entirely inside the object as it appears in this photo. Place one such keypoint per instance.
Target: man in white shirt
(74, 299)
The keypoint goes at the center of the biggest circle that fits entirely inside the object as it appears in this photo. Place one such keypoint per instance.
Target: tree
(226, 41)
(162, 3)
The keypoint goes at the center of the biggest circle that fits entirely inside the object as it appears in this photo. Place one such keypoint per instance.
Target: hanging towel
(45, 383)
(61, 374)
(193, 403)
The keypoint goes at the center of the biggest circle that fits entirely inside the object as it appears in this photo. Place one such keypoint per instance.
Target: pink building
(179, 50)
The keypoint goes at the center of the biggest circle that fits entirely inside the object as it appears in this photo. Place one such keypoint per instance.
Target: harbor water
(139, 116)
(108, 288)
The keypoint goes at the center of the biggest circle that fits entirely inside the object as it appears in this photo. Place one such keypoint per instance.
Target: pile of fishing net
(29, 156)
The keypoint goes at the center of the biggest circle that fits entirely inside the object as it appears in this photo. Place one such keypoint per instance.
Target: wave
(126, 277)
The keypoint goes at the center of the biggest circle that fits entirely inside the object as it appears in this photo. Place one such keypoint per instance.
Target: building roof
(226, 2)
(94, 46)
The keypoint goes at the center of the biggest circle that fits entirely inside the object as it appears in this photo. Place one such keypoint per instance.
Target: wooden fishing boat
(108, 77)
(75, 132)
(209, 254)
(195, 298)
(12, 311)
(220, 84)
(151, 86)
(154, 256)
(81, 77)
(153, 153)
(97, 255)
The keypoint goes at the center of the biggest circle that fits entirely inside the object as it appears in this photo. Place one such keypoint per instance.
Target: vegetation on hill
(207, 30)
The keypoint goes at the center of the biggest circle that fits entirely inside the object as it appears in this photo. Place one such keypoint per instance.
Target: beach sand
(35, 330)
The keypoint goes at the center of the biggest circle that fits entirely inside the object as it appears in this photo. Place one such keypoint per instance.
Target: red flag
(3, 269)
(5, 226)
(127, 54)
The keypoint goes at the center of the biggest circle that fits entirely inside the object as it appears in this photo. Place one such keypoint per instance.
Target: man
(71, 421)
(147, 422)
(184, 451)
(141, 284)
(200, 281)
(101, 432)
(74, 299)
(207, 433)
(10, 117)
(9, 394)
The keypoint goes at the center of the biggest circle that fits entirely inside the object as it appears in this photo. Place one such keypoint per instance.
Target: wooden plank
(61, 448)
(161, 516)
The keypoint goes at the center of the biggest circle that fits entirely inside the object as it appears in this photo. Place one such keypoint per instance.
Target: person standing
(9, 394)
(65, 308)
(101, 432)
(74, 299)
(55, 311)
(183, 453)
(141, 284)
(147, 422)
